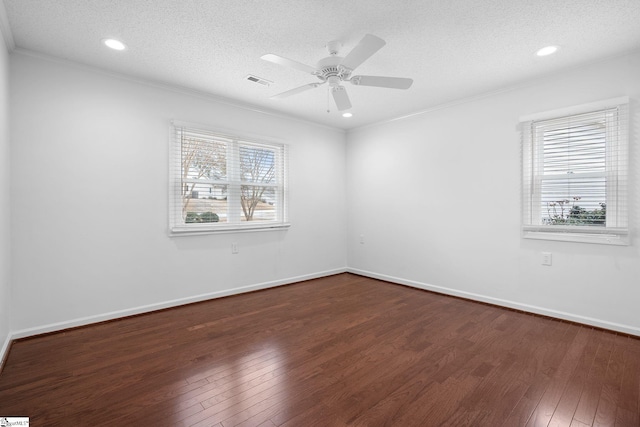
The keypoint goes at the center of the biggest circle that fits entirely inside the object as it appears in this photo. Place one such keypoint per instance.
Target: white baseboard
(5, 349)
(53, 327)
(631, 330)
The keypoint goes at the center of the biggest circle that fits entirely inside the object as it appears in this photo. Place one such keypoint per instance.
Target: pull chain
(328, 110)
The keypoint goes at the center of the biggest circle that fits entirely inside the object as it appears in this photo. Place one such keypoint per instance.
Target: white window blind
(575, 176)
(221, 182)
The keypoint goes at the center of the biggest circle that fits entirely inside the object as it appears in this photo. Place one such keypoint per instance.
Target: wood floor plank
(335, 351)
(610, 392)
(568, 403)
(588, 404)
(557, 385)
(537, 369)
(627, 412)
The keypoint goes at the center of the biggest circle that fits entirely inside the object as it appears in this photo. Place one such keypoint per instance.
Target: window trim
(609, 235)
(176, 228)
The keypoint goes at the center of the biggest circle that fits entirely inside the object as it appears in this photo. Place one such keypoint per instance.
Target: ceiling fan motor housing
(330, 67)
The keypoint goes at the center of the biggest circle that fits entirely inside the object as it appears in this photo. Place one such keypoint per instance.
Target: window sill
(605, 238)
(196, 230)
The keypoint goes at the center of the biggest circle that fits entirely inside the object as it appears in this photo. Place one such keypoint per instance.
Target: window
(574, 174)
(221, 182)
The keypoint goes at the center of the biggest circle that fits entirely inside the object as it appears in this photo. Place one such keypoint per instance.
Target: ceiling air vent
(259, 80)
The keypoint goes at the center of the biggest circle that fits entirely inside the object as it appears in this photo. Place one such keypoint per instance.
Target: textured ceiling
(452, 49)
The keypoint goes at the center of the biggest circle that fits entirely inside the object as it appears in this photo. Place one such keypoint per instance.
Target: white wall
(89, 194)
(5, 252)
(437, 198)
(89, 202)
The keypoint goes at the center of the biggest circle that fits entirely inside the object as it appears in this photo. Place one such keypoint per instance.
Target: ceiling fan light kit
(335, 70)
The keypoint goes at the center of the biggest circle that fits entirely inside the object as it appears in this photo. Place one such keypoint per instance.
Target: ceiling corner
(5, 29)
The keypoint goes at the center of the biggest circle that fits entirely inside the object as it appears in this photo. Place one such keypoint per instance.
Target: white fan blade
(276, 59)
(390, 82)
(341, 98)
(369, 45)
(295, 91)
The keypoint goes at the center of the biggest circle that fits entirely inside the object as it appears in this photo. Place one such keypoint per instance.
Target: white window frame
(616, 231)
(235, 140)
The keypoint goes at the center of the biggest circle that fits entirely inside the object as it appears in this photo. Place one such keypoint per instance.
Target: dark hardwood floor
(342, 350)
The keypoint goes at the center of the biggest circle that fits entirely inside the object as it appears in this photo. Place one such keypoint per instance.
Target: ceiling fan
(336, 70)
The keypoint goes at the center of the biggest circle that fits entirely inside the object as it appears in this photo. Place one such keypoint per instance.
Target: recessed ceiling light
(548, 50)
(114, 44)
(347, 115)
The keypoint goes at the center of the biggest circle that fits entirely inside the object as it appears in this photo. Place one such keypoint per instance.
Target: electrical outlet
(362, 239)
(234, 248)
(546, 258)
